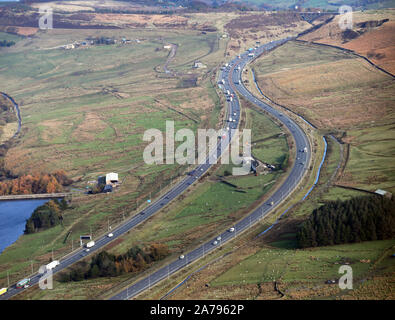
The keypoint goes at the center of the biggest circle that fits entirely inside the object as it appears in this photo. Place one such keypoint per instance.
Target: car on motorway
(110, 235)
(87, 250)
(219, 238)
(182, 256)
(90, 244)
(215, 242)
(232, 229)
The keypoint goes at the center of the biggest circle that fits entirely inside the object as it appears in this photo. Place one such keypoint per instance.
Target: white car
(87, 250)
(219, 238)
(215, 242)
(232, 229)
(110, 235)
(182, 257)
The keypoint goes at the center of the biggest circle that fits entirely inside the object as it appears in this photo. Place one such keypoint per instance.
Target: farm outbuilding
(384, 193)
(109, 179)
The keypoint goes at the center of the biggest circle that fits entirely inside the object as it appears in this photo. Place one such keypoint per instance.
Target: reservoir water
(13, 216)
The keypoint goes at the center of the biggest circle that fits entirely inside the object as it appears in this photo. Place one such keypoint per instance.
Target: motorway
(231, 76)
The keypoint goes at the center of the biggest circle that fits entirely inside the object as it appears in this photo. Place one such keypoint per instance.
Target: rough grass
(309, 265)
(338, 92)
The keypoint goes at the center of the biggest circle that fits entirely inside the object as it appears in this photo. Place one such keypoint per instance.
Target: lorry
(52, 265)
(305, 149)
(90, 244)
(24, 283)
(3, 290)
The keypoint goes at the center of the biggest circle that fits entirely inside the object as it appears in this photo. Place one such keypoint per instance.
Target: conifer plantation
(355, 220)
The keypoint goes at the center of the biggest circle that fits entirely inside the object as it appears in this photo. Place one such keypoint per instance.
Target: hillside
(373, 36)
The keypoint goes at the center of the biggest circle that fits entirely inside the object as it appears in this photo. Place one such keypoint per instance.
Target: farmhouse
(109, 179)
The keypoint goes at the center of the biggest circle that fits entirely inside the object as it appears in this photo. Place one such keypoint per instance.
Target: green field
(371, 162)
(309, 266)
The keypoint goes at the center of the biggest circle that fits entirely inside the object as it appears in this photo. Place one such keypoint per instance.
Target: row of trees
(5, 43)
(39, 183)
(355, 220)
(106, 264)
(46, 216)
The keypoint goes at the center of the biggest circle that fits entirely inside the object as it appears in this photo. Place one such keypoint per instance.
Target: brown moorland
(373, 36)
